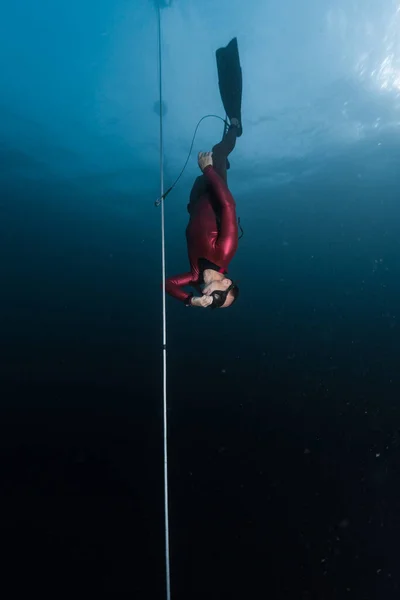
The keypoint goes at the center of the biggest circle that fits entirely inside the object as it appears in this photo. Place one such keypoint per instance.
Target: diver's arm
(174, 285)
(227, 240)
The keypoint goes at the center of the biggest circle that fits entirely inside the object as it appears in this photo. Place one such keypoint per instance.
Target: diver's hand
(202, 301)
(205, 160)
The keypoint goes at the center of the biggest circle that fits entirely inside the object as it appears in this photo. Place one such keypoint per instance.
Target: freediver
(212, 231)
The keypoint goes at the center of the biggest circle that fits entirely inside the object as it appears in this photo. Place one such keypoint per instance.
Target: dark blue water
(284, 415)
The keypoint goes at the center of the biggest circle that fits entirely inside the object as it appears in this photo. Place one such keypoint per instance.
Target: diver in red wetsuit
(212, 232)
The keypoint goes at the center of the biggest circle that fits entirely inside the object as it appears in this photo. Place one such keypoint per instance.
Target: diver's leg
(222, 150)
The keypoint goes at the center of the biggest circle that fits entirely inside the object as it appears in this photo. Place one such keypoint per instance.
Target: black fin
(230, 81)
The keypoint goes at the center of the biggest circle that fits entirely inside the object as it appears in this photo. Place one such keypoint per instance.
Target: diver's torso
(202, 234)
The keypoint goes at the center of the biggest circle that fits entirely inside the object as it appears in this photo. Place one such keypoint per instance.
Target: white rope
(164, 312)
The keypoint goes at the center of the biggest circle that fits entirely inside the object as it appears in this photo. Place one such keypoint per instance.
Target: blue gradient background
(284, 410)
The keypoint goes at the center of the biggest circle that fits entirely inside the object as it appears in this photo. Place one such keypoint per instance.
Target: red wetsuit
(205, 239)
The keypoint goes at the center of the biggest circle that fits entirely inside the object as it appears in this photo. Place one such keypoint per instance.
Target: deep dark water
(284, 413)
(292, 491)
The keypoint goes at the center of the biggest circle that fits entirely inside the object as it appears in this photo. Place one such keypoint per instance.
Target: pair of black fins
(230, 81)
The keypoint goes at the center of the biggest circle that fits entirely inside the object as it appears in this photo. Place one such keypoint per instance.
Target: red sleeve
(227, 241)
(174, 285)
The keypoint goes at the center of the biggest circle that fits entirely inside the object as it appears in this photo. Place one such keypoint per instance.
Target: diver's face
(214, 286)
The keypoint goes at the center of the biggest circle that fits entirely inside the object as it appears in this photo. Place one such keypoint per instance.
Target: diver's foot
(205, 160)
(236, 123)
